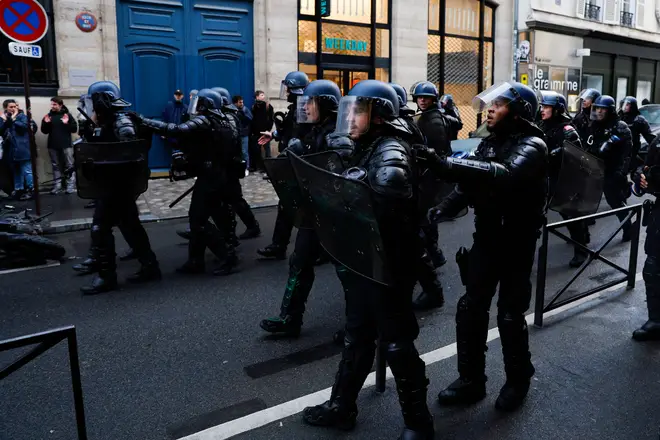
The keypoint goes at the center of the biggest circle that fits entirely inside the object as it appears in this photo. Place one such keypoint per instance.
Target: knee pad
(403, 355)
(354, 341)
(507, 319)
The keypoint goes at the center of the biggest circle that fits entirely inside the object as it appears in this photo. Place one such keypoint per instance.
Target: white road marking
(295, 406)
(23, 269)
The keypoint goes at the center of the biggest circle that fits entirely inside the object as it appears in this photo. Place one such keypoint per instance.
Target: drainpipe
(514, 70)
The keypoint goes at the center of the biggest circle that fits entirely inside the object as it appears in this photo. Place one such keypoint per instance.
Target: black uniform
(119, 209)
(214, 143)
(287, 130)
(611, 140)
(558, 130)
(581, 123)
(651, 272)
(508, 189)
(307, 251)
(639, 126)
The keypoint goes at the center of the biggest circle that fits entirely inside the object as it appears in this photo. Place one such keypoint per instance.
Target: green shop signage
(347, 45)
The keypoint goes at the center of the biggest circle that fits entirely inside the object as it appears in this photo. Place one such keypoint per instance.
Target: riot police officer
(317, 107)
(111, 123)
(432, 295)
(610, 139)
(647, 180)
(234, 191)
(213, 143)
(556, 125)
(292, 87)
(384, 161)
(448, 106)
(639, 126)
(506, 183)
(582, 120)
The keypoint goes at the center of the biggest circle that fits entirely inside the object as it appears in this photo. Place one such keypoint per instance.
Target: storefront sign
(347, 45)
(558, 83)
(324, 8)
(86, 22)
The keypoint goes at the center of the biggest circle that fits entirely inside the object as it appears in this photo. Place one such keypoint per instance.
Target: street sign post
(25, 22)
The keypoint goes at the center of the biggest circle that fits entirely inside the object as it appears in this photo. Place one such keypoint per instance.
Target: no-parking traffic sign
(24, 21)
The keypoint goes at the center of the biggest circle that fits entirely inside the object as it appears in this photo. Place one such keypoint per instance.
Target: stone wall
(409, 41)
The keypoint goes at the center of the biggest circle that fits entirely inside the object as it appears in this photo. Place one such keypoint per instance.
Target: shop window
(382, 43)
(593, 82)
(462, 17)
(309, 69)
(488, 65)
(433, 73)
(572, 91)
(307, 36)
(621, 88)
(382, 11)
(344, 39)
(42, 71)
(461, 78)
(644, 89)
(489, 16)
(354, 11)
(383, 74)
(434, 15)
(308, 7)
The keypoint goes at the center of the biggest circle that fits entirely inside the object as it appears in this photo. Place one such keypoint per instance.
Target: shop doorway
(345, 78)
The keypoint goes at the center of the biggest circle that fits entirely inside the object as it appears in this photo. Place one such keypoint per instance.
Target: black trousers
(578, 231)
(208, 200)
(254, 151)
(487, 268)
(301, 274)
(651, 270)
(617, 191)
(119, 211)
(233, 196)
(283, 227)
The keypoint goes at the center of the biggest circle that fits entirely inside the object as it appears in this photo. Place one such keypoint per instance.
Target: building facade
(153, 47)
(610, 45)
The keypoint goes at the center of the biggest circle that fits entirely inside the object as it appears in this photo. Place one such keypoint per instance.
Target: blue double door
(165, 45)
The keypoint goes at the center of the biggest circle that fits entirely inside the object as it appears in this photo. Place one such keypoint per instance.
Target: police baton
(181, 197)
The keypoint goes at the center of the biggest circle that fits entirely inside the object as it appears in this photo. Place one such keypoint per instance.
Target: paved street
(167, 360)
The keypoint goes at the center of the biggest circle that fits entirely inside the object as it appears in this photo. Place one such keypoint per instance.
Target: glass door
(345, 78)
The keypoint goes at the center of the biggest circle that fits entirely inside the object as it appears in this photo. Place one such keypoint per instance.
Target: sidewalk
(70, 214)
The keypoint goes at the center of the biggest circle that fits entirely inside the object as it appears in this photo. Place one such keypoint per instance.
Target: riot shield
(344, 219)
(281, 176)
(105, 169)
(579, 186)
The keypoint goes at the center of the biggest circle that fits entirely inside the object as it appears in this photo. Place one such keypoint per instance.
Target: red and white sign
(24, 21)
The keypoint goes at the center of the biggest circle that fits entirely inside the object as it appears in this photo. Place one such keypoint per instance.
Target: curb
(81, 224)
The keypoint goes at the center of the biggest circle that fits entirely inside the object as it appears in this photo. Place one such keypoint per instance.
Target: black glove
(296, 147)
(607, 145)
(435, 215)
(338, 141)
(556, 152)
(434, 161)
(135, 116)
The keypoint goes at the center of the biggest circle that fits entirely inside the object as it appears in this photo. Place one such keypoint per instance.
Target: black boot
(228, 266)
(192, 267)
(185, 234)
(432, 295)
(90, 265)
(517, 360)
(341, 411)
(149, 270)
(196, 248)
(253, 231)
(579, 257)
(411, 383)
(471, 334)
(298, 286)
(128, 255)
(273, 252)
(106, 279)
(650, 331)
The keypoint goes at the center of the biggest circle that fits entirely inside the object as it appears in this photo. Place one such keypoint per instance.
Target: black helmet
(521, 100)
(294, 83)
(634, 106)
(603, 102)
(425, 88)
(106, 95)
(319, 100)
(402, 94)
(226, 96)
(368, 98)
(206, 100)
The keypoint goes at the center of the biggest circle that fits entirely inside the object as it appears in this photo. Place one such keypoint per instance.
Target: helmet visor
(192, 108)
(598, 113)
(588, 95)
(354, 116)
(498, 94)
(87, 105)
(284, 91)
(308, 110)
(627, 105)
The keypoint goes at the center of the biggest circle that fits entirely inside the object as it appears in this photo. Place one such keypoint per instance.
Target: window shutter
(581, 5)
(611, 12)
(639, 14)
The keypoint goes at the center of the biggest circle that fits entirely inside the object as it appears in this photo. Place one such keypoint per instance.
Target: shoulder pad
(390, 171)
(535, 142)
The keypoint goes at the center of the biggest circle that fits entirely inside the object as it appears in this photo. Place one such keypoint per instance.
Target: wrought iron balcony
(626, 19)
(592, 12)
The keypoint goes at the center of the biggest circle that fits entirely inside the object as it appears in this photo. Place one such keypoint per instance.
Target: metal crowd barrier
(46, 341)
(634, 211)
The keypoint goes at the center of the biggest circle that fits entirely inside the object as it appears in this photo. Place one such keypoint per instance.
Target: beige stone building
(153, 47)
